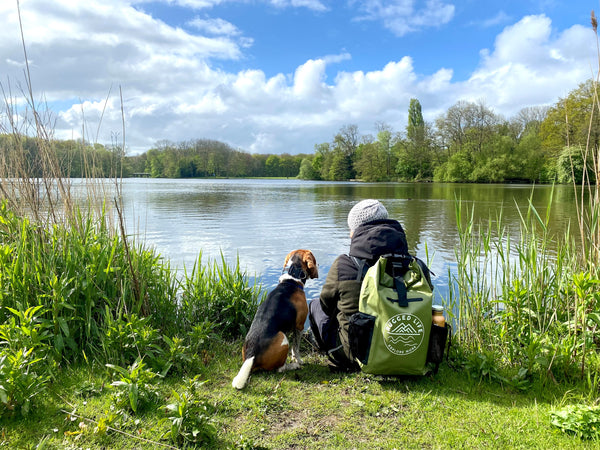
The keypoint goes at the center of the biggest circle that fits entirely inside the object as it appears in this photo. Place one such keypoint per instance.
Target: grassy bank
(101, 346)
(310, 408)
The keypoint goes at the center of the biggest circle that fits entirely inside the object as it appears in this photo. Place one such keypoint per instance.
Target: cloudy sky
(275, 76)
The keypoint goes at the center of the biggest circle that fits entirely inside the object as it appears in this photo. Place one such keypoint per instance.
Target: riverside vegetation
(104, 345)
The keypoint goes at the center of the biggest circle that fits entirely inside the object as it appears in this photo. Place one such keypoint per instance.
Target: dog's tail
(242, 377)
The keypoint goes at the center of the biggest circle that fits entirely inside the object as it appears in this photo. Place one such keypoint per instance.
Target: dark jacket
(340, 293)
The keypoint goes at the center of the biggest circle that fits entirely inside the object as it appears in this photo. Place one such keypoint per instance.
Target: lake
(260, 221)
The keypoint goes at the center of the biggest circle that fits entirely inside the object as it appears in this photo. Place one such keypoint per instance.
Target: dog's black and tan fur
(283, 312)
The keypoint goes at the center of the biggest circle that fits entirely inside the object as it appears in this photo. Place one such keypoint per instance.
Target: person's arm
(330, 293)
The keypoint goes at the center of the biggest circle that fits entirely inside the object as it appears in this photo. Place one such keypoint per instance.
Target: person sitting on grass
(372, 235)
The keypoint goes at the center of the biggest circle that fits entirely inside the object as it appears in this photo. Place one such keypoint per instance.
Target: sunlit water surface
(260, 221)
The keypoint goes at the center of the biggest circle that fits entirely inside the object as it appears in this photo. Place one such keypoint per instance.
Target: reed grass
(529, 302)
(220, 294)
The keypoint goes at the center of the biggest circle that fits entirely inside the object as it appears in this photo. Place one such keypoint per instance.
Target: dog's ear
(287, 258)
(311, 264)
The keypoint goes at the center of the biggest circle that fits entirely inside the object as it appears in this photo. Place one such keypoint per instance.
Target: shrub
(20, 381)
(128, 338)
(221, 295)
(191, 417)
(134, 389)
(581, 420)
(25, 361)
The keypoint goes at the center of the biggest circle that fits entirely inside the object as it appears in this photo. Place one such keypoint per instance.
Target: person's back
(372, 234)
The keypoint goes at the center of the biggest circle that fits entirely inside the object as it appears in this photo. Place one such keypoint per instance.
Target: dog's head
(301, 264)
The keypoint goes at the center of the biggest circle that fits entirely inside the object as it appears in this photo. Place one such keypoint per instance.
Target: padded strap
(362, 267)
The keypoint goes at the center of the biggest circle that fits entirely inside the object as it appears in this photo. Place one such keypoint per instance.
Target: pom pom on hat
(366, 211)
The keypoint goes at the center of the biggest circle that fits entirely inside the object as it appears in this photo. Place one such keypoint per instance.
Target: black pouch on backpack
(437, 343)
(360, 333)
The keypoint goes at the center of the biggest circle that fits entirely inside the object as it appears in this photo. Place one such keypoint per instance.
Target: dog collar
(296, 272)
(288, 277)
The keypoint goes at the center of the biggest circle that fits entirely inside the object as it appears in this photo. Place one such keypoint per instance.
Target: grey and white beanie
(366, 211)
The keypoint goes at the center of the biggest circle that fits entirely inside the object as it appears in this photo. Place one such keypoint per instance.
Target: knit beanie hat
(366, 211)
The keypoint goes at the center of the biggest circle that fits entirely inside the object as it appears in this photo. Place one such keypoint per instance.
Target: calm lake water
(260, 221)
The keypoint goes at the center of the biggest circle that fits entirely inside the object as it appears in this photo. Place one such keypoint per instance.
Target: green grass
(309, 408)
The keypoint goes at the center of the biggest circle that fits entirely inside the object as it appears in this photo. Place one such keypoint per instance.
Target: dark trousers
(324, 328)
(325, 331)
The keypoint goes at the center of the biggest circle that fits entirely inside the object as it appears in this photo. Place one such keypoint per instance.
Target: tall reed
(78, 274)
(587, 195)
(529, 301)
(220, 294)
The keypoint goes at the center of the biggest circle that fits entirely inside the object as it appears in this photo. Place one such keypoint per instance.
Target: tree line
(470, 143)
(467, 143)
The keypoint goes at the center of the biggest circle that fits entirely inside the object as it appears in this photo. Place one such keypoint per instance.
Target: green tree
(307, 171)
(385, 143)
(415, 154)
(530, 156)
(458, 168)
(572, 122)
(323, 160)
(341, 166)
(289, 166)
(371, 162)
(415, 130)
(272, 166)
(573, 167)
(154, 163)
(345, 144)
(466, 131)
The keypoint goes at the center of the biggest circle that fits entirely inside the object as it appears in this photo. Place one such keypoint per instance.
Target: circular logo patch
(403, 334)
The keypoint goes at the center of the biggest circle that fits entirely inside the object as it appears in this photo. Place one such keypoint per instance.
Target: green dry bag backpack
(390, 333)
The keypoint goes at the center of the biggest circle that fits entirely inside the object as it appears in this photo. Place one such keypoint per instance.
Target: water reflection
(260, 221)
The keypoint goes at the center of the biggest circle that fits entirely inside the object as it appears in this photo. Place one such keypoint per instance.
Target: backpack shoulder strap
(362, 266)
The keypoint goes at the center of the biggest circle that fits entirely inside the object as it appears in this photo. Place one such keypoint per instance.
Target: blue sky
(274, 76)
(283, 38)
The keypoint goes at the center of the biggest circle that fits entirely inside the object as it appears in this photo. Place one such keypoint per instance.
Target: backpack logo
(403, 334)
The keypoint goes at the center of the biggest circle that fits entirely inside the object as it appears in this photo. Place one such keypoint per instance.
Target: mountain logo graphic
(403, 334)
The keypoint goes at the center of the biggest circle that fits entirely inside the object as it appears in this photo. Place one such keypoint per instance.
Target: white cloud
(377, 92)
(332, 59)
(215, 26)
(401, 17)
(314, 5)
(309, 79)
(500, 18)
(194, 4)
(529, 65)
(263, 141)
(80, 49)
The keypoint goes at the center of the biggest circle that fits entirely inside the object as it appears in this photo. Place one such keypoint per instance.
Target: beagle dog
(283, 312)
